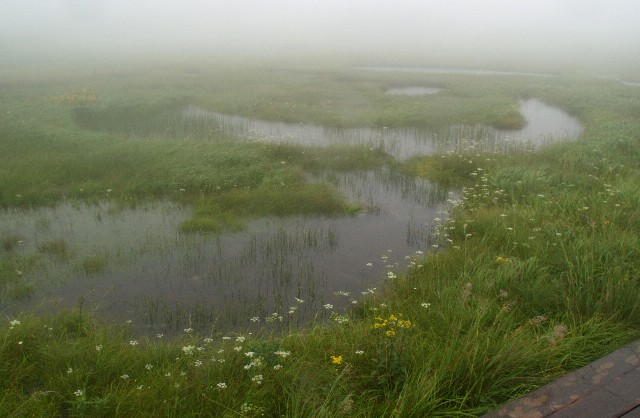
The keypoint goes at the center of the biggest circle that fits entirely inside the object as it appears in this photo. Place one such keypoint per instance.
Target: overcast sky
(588, 28)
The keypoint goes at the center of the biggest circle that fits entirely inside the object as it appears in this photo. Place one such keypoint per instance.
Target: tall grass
(535, 274)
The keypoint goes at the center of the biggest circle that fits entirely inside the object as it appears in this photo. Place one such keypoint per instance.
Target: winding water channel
(544, 123)
(165, 281)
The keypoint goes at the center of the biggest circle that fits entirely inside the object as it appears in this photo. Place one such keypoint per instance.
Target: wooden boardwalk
(606, 388)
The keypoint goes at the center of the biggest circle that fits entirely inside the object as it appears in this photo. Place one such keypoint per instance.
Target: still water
(544, 124)
(134, 264)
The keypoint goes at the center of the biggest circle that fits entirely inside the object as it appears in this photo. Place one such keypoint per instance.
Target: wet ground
(134, 264)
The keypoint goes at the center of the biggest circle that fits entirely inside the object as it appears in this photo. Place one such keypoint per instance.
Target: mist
(552, 34)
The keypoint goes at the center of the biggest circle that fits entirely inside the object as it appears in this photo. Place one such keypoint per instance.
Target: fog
(543, 33)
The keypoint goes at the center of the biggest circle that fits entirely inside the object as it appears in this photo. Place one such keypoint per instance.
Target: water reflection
(133, 264)
(166, 281)
(544, 124)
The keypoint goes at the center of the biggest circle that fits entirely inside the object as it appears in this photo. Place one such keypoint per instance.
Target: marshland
(354, 232)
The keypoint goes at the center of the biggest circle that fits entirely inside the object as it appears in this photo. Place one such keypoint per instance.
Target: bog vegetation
(534, 273)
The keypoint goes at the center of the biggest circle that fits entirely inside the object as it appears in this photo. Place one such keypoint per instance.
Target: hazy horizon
(544, 33)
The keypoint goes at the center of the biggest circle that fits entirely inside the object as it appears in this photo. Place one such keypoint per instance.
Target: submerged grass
(535, 272)
(13, 268)
(57, 248)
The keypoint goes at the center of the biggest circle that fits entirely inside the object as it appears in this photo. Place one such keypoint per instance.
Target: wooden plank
(608, 387)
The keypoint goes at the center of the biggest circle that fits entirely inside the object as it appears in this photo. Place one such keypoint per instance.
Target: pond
(413, 91)
(134, 264)
(165, 281)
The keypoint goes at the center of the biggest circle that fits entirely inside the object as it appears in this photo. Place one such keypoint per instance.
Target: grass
(94, 263)
(535, 272)
(11, 242)
(356, 98)
(13, 267)
(46, 171)
(57, 248)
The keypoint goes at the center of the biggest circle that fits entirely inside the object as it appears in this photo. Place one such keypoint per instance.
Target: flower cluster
(391, 325)
(340, 319)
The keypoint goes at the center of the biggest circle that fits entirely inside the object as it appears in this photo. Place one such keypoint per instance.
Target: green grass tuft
(94, 263)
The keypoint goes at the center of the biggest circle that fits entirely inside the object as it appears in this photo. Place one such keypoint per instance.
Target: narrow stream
(544, 124)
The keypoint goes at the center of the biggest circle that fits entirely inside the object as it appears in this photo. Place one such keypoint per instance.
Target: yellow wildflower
(404, 323)
(336, 359)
